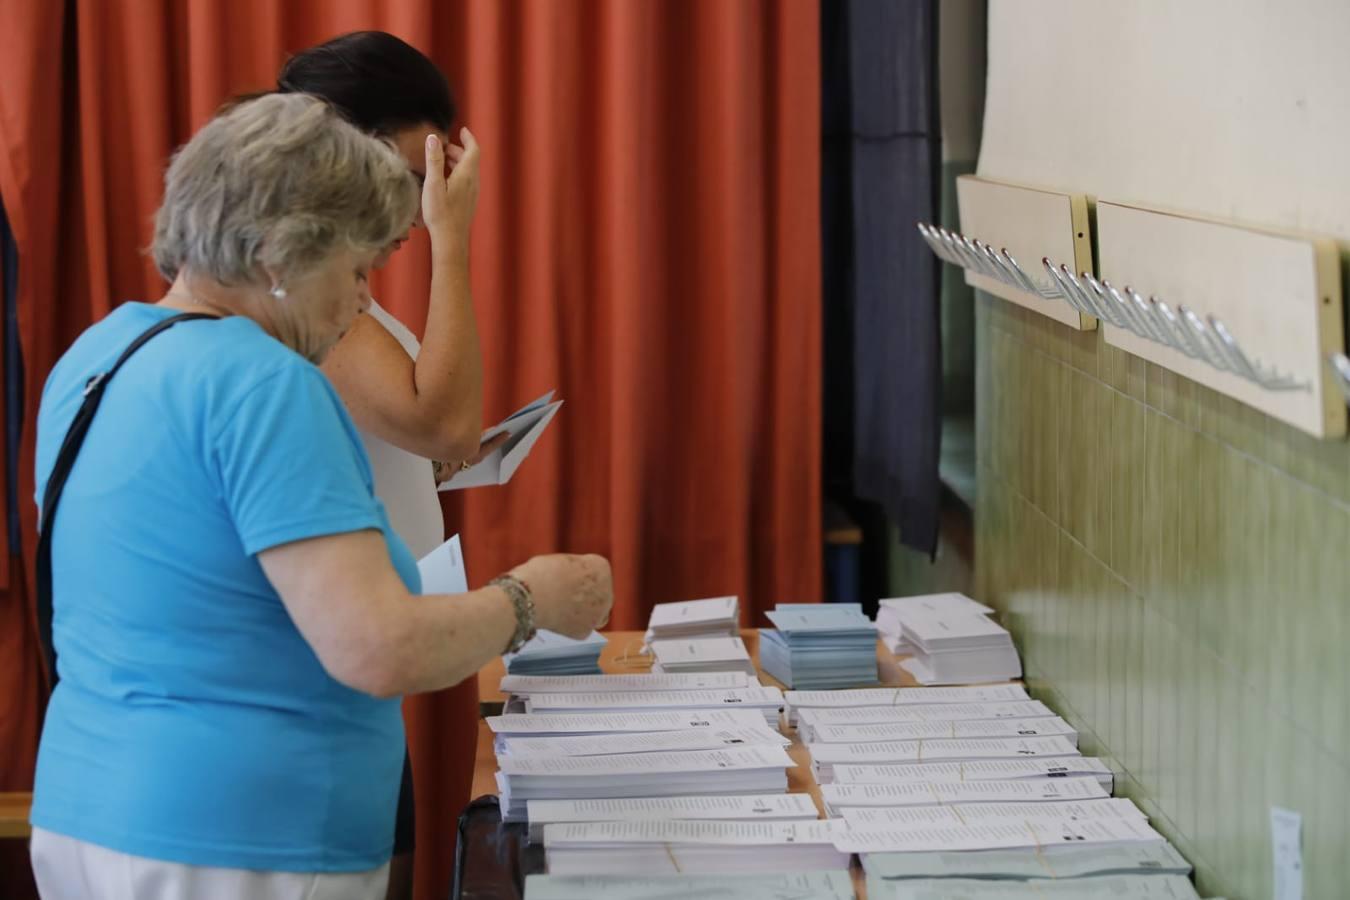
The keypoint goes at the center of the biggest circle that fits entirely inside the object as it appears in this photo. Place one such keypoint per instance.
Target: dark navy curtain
(882, 165)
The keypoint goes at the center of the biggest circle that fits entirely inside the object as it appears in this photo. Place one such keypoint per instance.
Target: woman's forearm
(449, 369)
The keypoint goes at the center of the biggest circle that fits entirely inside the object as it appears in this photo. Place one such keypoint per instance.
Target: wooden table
(619, 656)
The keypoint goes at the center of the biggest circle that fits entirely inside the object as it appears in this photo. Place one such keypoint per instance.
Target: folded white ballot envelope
(525, 425)
(442, 569)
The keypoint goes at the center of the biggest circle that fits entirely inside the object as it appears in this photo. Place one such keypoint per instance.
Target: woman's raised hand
(449, 200)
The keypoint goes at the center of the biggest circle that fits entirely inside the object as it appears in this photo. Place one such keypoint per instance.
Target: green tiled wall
(1176, 570)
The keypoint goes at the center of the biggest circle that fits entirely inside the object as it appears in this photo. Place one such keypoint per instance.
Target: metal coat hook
(982, 259)
(1182, 329)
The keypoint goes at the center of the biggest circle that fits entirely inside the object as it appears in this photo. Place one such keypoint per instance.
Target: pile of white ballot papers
(767, 701)
(1159, 858)
(881, 698)
(708, 654)
(810, 718)
(754, 769)
(828, 885)
(839, 798)
(949, 638)
(550, 653)
(1114, 887)
(752, 808)
(819, 646)
(713, 617)
(825, 757)
(630, 848)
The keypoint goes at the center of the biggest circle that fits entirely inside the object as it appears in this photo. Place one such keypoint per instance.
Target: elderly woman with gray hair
(233, 616)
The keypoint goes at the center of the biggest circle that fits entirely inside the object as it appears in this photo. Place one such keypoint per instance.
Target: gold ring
(465, 466)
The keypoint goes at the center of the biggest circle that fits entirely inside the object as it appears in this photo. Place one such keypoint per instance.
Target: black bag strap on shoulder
(56, 480)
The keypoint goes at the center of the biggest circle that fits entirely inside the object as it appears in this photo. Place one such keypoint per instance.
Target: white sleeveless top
(405, 482)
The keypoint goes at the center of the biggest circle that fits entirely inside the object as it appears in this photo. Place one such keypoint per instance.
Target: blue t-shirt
(192, 722)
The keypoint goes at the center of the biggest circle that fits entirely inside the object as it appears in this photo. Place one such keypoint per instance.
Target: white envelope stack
(950, 638)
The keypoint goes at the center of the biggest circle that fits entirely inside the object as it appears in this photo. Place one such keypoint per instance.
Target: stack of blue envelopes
(550, 653)
(819, 646)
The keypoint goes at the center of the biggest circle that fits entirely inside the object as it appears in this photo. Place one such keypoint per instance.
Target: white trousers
(67, 869)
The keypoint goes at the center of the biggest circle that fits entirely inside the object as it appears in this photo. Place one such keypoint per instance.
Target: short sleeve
(289, 464)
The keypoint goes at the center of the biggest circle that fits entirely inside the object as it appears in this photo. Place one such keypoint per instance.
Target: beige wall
(1174, 566)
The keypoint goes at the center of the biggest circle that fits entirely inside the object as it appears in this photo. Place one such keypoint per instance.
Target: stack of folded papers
(1112, 887)
(767, 701)
(713, 617)
(1105, 809)
(890, 697)
(825, 757)
(950, 639)
(567, 724)
(754, 808)
(640, 742)
(756, 769)
(1027, 833)
(1023, 710)
(828, 885)
(622, 848)
(841, 797)
(936, 730)
(819, 646)
(1002, 866)
(522, 685)
(549, 653)
(709, 654)
(978, 770)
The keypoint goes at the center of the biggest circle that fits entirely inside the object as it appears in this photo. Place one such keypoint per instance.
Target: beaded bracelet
(523, 603)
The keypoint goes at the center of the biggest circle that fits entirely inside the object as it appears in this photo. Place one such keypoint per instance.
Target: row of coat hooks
(1206, 339)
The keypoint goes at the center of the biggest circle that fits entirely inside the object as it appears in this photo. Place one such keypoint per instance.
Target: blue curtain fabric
(883, 164)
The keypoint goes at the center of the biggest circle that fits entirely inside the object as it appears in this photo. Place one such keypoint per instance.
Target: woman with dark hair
(419, 408)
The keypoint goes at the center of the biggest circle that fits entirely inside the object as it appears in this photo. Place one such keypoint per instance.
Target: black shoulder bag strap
(56, 481)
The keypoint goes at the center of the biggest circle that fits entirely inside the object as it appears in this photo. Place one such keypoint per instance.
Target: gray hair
(280, 181)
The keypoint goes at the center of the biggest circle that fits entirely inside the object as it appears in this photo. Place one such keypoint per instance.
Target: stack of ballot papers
(890, 697)
(524, 427)
(755, 769)
(826, 757)
(1024, 865)
(892, 611)
(1026, 710)
(934, 730)
(828, 885)
(627, 848)
(549, 653)
(569, 724)
(950, 639)
(640, 742)
(713, 617)
(1112, 887)
(819, 646)
(978, 770)
(521, 685)
(768, 701)
(755, 808)
(1028, 832)
(709, 654)
(841, 797)
(1110, 808)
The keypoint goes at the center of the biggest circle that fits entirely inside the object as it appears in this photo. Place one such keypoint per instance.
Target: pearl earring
(278, 291)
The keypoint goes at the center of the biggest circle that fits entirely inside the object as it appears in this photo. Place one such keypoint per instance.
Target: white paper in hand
(443, 570)
(525, 425)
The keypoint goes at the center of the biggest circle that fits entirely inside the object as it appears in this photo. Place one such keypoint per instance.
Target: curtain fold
(647, 243)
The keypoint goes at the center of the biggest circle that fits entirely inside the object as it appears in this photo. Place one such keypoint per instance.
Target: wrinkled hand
(572, 593)
(447, 470)
(449, 201)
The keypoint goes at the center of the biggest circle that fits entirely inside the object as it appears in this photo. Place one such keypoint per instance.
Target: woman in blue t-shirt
(234, 618)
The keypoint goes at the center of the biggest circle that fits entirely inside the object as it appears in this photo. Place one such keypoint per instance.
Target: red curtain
(647, 243)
